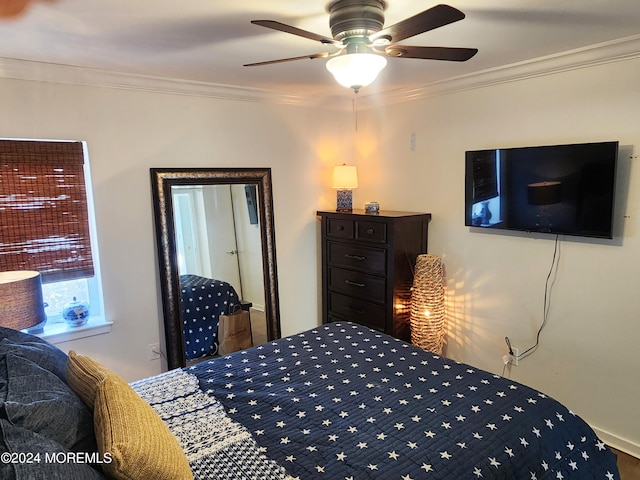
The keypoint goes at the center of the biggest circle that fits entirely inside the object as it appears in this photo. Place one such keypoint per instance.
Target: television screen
(560, 189)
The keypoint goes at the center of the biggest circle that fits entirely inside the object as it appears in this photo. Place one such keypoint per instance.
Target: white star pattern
(407, 404)
(200, 332)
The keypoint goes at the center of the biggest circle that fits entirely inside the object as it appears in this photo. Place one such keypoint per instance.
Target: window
(47, 223)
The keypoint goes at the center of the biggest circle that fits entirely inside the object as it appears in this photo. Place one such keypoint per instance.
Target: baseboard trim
(618, 443)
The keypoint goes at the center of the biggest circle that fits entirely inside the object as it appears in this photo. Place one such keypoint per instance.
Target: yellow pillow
(128, 430)
(84, 376)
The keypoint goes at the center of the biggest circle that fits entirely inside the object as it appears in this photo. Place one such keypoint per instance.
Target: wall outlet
(511, 359)
(154, 351)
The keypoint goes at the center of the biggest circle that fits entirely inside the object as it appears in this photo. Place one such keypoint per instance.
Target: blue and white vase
(76, 313)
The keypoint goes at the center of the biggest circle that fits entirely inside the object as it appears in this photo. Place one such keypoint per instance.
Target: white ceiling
(209, 41)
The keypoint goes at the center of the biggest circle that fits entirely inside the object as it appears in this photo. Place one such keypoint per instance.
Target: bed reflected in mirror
(216, 255)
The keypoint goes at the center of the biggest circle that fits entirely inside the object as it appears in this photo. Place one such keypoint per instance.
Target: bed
(203, 300)
(339, 401)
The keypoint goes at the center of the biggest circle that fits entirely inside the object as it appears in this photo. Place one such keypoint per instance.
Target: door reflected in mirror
(216, 249)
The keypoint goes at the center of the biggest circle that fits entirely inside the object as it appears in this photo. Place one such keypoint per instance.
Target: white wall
(127, 133)
(588, 356)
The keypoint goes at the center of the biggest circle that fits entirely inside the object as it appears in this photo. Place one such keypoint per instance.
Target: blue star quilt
(342, 401)
(203, 301)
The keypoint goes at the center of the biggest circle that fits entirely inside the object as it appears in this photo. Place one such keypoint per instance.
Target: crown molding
(95, 77)
(598, 54)
(613, 51)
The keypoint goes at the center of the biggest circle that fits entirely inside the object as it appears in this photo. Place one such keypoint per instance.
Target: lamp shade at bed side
(21, 301)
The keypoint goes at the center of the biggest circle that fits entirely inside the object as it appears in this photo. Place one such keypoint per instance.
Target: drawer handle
(355, 310)
(370, 231)
(355, 257)
(355, 284)
(340, 228)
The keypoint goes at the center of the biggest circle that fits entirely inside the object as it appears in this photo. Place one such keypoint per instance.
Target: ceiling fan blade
(430, 19)
(291, 59)
(282, 27)
(452, 54)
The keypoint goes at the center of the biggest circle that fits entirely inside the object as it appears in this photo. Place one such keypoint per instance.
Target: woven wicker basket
(427, 304)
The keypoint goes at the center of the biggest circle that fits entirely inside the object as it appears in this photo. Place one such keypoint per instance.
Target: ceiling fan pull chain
(355, 110)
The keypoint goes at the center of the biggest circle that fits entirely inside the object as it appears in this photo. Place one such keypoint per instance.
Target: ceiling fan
(363, 44)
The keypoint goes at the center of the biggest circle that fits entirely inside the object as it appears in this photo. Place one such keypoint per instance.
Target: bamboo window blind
(44, 219)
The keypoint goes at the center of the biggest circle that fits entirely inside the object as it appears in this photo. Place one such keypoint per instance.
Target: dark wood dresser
(367, 267)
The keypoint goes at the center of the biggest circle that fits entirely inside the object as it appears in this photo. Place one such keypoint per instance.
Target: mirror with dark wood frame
(168, 186)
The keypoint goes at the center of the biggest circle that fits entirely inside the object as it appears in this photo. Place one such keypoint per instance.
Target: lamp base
(344, 201)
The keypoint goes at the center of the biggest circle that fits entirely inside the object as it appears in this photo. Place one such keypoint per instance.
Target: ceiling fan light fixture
(356, 70)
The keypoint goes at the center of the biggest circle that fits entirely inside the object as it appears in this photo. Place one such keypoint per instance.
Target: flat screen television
(558, 189)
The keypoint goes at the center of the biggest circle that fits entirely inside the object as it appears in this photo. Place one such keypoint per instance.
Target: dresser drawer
(372, 231)
(357, 284)
(357, 257)
(356, 310)
(367, 266)
(340, 228)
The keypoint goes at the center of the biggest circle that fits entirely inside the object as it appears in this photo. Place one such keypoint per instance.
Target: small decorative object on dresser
(367, 267)
(372, 207)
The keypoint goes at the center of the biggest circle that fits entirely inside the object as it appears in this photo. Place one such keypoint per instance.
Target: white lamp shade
(355, 70)
(345, 177)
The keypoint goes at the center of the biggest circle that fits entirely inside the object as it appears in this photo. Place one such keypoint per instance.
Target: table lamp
(345, 178)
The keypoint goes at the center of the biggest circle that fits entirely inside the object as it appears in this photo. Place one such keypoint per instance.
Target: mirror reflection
(219, 255)
(216, 251)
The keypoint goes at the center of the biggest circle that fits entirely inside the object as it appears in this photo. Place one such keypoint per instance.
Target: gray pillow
(38, 400)
(35, 349)
(39, 413)
(20, 440)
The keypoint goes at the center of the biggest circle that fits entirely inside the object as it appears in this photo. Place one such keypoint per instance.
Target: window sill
(61, 332)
